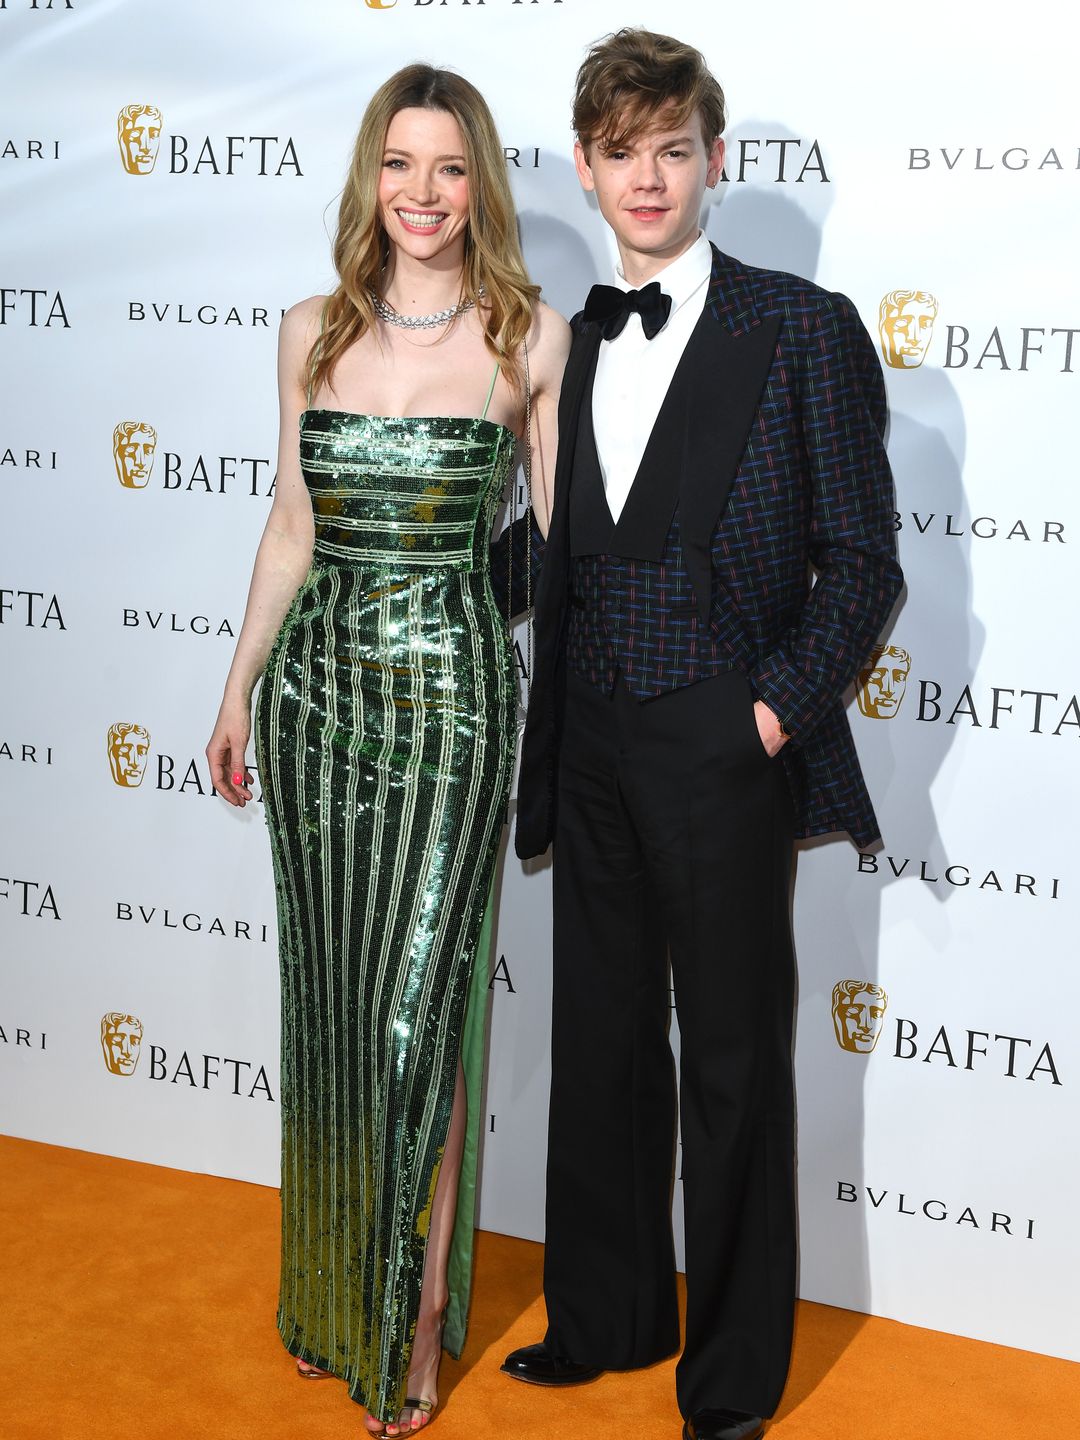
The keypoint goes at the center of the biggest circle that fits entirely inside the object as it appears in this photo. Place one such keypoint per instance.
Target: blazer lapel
(642, 528)
(733, 355)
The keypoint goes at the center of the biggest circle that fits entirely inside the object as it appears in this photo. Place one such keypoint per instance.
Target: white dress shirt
(633, 374)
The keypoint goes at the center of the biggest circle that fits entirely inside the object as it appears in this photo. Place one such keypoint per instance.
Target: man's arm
(516, 556)
(852, 543)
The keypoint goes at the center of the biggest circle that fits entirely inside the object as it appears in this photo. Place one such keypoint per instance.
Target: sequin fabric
(384, 734)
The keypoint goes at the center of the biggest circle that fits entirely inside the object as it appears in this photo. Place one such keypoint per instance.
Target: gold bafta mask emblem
(134, 444)
(138, 132)
(906, 327)
(121, 1041)
(129, 747)
(381, 4)
(858, 1010)
(883, 683)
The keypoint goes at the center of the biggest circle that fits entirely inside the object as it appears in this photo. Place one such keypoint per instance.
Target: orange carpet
(138, 1303)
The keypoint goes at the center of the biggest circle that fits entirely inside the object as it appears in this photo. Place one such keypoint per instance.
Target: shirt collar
(683, 276)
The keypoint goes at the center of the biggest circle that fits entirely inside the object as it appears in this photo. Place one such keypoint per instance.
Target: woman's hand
(226, 750)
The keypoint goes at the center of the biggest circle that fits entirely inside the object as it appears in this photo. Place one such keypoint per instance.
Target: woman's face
(423, 187)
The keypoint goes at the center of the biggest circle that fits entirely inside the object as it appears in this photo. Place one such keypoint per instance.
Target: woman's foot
(312, 1372)
(422, 1384)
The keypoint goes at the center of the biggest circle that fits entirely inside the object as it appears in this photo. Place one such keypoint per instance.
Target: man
(720, 433)
(129, 748)
(858, 1010)
(138, 133)
(121, 1038)
(906, 327)
(134, 444)
(883, 683)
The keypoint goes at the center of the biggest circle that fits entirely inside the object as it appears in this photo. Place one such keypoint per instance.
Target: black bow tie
(611, 308)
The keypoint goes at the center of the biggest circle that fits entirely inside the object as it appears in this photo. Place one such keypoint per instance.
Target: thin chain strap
(528, 539)
(528, 511)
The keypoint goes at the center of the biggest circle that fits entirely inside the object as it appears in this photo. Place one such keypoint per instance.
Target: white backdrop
(872, 150)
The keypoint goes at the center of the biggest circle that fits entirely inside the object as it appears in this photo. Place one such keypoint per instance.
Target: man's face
(906, 331)
(139, 142)
(135, 458)
(121, 1044)
(128, 749)
(884, 686)
(861, 1021)
(651, 191)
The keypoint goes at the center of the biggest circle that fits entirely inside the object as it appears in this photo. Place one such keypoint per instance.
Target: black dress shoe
(538, 1365)
(723, 1425)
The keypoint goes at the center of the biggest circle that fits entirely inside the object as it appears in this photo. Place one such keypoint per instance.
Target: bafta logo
(121, 1039)
(380, 4)
(883, 683)
(858, 1009)
(906, 327)
(129, 746)
(138, 131)
(133, 444)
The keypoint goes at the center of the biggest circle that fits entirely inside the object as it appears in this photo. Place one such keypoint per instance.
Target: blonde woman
(385, 727)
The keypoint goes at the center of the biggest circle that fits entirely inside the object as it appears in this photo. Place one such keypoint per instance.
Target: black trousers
(673, 837)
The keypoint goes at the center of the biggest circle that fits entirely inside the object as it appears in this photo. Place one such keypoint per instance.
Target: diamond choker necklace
(385, 311)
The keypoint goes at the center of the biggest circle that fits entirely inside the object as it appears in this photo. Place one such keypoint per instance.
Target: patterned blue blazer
(780, 555)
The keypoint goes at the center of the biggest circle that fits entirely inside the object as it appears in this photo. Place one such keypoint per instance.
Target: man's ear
(716, 163)
(581, 165)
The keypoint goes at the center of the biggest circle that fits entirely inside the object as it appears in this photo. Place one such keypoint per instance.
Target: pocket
(752, 736)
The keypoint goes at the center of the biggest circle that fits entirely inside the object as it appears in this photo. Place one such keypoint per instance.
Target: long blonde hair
(493, 258)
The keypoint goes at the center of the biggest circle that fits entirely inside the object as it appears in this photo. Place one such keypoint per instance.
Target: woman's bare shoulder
(302, 322)
(549, 343)
(548, 325)
(298, 332)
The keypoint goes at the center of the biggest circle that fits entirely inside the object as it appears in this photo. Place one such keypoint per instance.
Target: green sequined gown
(385, 737)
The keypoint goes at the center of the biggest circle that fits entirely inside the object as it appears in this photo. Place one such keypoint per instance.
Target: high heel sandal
(426, 1408)
(421, 1403)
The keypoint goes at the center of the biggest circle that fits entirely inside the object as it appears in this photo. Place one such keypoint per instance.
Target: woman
(385, 727)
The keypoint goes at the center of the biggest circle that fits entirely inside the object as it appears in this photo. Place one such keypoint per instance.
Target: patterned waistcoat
(633, 609)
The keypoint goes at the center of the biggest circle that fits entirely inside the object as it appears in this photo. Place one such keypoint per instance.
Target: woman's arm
(549, 345)
(517, 553)
(282, 561)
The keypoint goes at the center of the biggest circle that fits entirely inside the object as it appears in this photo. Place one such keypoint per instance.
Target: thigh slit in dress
(385, 741)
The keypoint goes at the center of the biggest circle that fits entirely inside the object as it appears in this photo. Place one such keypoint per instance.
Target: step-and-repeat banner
(169, 180)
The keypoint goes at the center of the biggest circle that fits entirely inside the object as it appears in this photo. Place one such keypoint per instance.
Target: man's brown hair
(631, 80)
